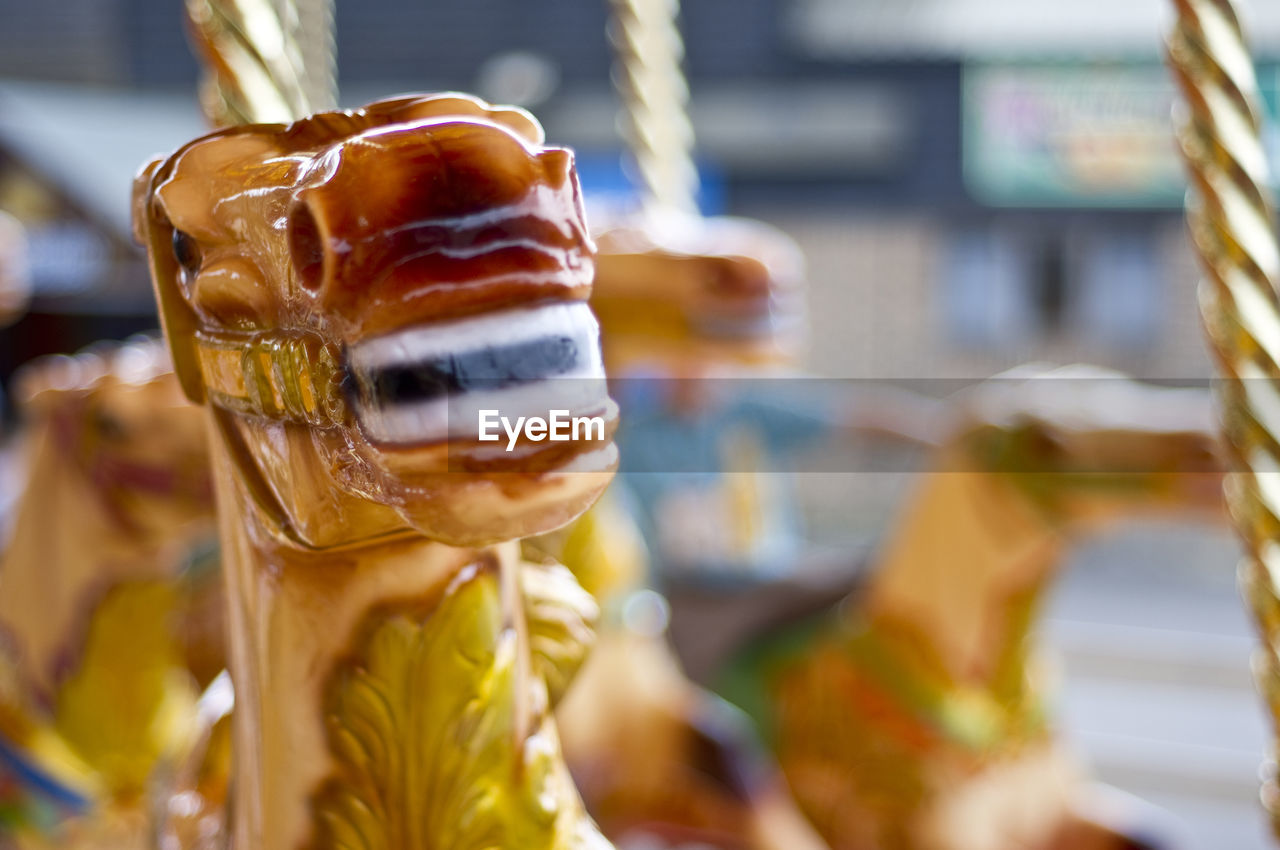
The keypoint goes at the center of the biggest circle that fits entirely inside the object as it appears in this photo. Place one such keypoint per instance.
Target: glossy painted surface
(395, 661)
(346, 227)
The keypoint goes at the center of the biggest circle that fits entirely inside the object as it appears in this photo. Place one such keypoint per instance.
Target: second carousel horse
(344, 295)
(911, 717)
(94, 683)
(657, 757)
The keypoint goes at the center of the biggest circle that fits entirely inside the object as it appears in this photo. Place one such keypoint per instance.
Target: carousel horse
(656, 757)
(346, 295)
(96, 580)
(912, 715)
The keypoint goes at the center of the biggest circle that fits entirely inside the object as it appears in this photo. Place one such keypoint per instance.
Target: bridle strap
(286, 377)
(293, 377)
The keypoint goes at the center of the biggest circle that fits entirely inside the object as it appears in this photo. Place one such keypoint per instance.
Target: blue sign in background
(606, 184)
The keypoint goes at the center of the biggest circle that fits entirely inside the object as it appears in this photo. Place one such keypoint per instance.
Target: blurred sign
(973, 29)
(1269, 82)
(609, 191)
(1077, 134)
(1070, 135)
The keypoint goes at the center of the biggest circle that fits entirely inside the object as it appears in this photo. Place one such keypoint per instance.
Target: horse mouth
(452, 381)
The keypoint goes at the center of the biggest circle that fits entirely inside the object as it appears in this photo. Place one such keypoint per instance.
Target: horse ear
(557, 165)
(154, 232)
(141, 200)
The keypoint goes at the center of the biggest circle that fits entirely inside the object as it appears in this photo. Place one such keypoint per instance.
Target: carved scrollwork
(422, 724)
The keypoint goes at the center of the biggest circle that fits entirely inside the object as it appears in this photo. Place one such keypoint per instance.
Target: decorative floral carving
(422, 724)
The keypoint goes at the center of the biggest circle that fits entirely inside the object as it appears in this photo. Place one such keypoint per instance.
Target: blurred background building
(1000, 170)
(976, 183)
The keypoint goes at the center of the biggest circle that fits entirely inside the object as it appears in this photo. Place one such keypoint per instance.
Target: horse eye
(186, 251)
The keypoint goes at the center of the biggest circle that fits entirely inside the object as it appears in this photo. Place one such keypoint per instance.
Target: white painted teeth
(431, 382)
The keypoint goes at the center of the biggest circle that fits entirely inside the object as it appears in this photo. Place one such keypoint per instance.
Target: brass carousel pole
(255, 55)
(655, 120)
(1230, 211)
(319, 53)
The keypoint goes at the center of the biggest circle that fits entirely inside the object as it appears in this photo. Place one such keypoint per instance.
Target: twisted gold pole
(650, 81)
(319, 53)
(1230, 213)
(253, 61)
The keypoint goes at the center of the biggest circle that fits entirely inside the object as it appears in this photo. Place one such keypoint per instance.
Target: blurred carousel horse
(100, 590)
(657, 758)
(913, 715)
(683, 303)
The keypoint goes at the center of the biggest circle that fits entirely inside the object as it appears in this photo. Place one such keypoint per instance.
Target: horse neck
(346, 650)
(66, 550)
(960, 576)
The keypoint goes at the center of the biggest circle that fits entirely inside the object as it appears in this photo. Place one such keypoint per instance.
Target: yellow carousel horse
(913, 715)
(97, 581)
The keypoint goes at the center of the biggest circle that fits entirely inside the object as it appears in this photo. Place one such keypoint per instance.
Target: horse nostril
(306, 244)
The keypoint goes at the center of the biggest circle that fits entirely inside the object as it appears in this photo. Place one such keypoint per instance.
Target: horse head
(347, 292)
